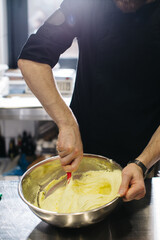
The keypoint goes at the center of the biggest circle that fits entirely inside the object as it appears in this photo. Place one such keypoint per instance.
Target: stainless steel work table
(35, 114)
(136, 220)
(24, 108)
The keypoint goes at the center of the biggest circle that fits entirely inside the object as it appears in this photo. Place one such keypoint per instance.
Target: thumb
(124, 185)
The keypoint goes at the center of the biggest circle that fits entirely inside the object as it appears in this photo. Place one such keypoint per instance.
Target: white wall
(3, 33)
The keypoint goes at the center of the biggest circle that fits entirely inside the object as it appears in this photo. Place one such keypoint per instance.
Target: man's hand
(70, 147)
(132, 186)
(39, 77)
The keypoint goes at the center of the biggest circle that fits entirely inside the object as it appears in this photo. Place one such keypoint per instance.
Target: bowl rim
(37, 209)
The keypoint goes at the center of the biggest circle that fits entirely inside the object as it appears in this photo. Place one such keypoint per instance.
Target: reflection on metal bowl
(41, 174)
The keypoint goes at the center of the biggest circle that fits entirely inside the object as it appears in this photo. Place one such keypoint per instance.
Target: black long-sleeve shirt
(116, 99)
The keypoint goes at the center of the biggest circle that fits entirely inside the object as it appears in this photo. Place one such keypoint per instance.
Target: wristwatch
(141, 165)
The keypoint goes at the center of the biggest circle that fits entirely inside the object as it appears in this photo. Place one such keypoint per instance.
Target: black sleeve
(54, 36)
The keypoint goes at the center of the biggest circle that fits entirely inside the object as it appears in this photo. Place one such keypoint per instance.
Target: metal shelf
(26, 113)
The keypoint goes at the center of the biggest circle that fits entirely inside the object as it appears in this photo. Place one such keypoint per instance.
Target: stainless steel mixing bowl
(37, 177)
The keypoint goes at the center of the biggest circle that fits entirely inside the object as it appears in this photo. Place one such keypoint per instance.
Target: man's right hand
(70, 147)
(39, 77)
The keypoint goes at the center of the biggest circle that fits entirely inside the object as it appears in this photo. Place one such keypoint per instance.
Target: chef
(115, 107)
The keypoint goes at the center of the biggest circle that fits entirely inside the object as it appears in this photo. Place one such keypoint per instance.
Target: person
(115, 107)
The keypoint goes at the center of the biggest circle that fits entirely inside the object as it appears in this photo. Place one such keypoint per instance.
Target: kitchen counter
(136, 220)
(19, 103)
(24, 107)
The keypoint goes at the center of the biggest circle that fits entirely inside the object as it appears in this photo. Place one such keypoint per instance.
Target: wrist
(67, 121)
(141, 165)
(61, 114)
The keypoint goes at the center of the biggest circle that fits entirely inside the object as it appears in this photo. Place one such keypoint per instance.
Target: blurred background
(27, 134)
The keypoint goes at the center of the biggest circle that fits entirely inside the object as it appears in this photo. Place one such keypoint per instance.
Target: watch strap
(141, 165)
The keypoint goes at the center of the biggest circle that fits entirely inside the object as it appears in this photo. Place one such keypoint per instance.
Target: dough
(92, 190)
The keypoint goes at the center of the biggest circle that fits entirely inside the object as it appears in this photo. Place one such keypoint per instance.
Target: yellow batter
(93, 189)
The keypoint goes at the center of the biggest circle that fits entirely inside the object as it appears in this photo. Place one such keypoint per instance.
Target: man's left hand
(132, 186)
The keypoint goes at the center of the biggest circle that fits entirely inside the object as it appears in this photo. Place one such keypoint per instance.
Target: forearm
(40, 80)
(151, 154)
(132, 186)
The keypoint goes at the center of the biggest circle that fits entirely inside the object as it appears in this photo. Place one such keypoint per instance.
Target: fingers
(68, 155)
(132, 186)
(125, 184)
(71, 162)
(67, 159)
(66, 151)
(73, 166)
(70, 151)
(135, 192)
(63, 149)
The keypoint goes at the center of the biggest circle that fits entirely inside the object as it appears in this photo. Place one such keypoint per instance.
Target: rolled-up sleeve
(53, 37)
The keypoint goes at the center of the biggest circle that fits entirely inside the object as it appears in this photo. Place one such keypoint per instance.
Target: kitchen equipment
(37, 177)
(4, 81)
(4, 86)
(65, 79)
(3, 68)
